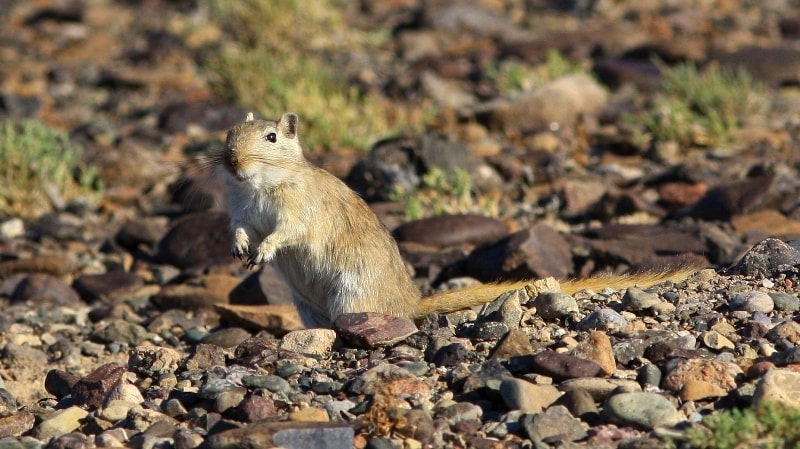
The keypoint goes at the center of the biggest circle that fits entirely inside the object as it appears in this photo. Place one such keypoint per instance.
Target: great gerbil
(333, 251)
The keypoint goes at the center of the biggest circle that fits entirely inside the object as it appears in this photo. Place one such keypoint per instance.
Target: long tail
(479, 294)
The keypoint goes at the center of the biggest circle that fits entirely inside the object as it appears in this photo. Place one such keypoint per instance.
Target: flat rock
(100, 287)
(521, 395)
(768, 257)
(556, 365)
(449, 230)
(278, 319)
(17, 424)
(291, 435)
(373, 329)
(721, 374)
(199, 239)
(642, 410)
(555, 424)
(779, 385)
(536, 252)
(43, 287)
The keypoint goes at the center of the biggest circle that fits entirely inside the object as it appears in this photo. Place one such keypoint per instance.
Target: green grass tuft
(283, 58)
(702, 108)
(767, 426)
(35, 160)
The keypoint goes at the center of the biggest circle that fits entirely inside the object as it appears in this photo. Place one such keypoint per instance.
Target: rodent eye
(272, 137)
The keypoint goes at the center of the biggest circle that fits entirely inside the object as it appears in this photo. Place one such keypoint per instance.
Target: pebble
(779, 385)
(603, 319)
(515, 343)
(370, 330)
(153, 360)
(721, 374)
(597, 348)
(753, 301)
(561, 366)
(785, 302)
(120, 331)
(16, 424)
(635, 299)
(554, 305)
(642, 410)
(313, 342)
(527, 397)
(554, 424)
(64, 421)
(92, 390)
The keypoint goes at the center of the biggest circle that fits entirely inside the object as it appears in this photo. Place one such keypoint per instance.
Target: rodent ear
(288, 124)
(249, 117)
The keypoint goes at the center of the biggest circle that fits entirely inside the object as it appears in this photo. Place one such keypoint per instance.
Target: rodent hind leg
(311, 317)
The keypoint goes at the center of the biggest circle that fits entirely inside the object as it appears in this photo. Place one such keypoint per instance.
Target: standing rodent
(333, 251)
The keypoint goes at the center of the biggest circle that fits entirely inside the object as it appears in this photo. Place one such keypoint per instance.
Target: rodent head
(262, 152)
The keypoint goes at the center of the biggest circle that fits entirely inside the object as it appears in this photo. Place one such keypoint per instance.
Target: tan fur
(330, 247)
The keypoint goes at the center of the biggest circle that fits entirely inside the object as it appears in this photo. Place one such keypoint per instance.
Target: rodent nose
(231, 160)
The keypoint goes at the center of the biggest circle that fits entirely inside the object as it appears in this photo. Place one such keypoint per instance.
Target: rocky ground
(126, 323)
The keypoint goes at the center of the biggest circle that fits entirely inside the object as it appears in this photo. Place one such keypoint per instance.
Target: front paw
(241, 245)
(262, 254)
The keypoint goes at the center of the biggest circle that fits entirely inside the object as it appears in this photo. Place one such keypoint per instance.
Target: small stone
(522, 395)
(328, 437)
(272, 383)
(636, 299)
(91, 391)
(788, 330)
(555, 305)
(120, 331)
(580, 404)
(11, 229)
(562, 366)
(62, 422)
(642, 410)
(603, 319)
(695, 390)
(44, 287)
(779, 385)
(649, 374)
(116, 410)
(721, 374)
(785, 302)
(599, 388)
(768, 258)
(515, 343)
(16, 424)
(257, 407)
(228, 337)
(205, 357)
(60, 383)
(715, 340)
(309, 414)
(555, 424)
(153, 360)
(124, 391)
(370, 330)
(229, 399)
(451, 355)
(597, 348)
(753, 301)
(99, 287)
(313, 342)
